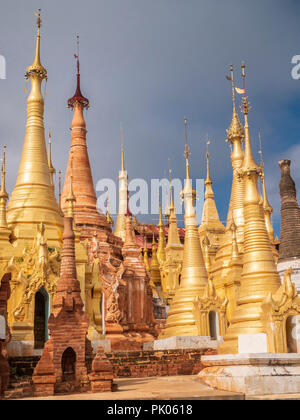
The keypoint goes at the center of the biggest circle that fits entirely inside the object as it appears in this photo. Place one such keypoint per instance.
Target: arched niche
(41, 315)
(214, 325)
(68, 365)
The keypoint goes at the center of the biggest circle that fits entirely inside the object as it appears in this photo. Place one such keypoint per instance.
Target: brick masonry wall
(136, 364)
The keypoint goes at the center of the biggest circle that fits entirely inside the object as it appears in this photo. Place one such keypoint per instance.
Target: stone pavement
(155, 388)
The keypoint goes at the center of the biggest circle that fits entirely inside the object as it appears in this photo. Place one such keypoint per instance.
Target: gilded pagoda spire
(32, 200)
(173, 235)
(52, 170)
(211, 229)
(108, 217)
(86, 212)
(161, 251)
(146, 260)
(268, 209)
(235, 129)
(181, 320)
(221, 264)
(235, 136)
(210, 216)
(259, 274)
(154, 265)
(3, 196)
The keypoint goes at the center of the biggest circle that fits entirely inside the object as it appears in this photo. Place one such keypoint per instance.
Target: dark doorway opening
(213, 325)
(41, 304)
(68, 365)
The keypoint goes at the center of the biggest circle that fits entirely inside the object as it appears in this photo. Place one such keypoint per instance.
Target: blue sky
(149, 64)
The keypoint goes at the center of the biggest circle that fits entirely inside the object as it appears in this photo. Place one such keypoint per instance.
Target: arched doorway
(68, 365)
(213, 325)
(41, 315)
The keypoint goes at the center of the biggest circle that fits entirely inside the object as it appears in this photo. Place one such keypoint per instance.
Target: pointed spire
(268, 209)
(161, 252)
(123, 193)
(154, 266)
(259, 275)
(68, 285)
(59, 189)
(208, 182)
(146, 260)
(32, 199)
(86, 213)
(249, 163)
(108, 217)
(235, 249)
(71, 198)
(181, 318)
(206, 245)
(188, 190)
(3, 194)
(36, 68)
(78, 97)
(52, 170)
(236, 129)
(122, 148)
(186, 150)
(210, 217)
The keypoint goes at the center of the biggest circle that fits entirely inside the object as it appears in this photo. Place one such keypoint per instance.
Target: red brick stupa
(87, 217)
(62, 366)
(139, 321)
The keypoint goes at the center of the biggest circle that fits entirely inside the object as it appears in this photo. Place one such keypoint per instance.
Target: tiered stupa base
(253, 373)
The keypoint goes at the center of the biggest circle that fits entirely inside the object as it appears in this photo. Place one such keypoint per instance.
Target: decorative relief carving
(38, 267)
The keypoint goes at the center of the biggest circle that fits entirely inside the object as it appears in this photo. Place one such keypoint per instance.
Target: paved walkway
(156, 388)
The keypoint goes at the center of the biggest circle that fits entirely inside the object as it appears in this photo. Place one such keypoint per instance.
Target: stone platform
(182, 342)
(253, 373)
(167, 389)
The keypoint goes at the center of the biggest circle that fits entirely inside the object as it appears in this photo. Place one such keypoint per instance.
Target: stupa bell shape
(181, 319)
(259, 275)
(85, 209)
(32, 200)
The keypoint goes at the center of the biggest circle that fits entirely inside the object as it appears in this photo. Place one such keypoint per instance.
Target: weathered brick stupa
(122, 285)
(62, 366)
(289, 249)
(138, 309)
(87, 216)
(4, 333)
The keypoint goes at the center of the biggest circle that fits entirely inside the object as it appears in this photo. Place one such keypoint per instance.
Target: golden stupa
(225, 281)
(181, 319)
(32, 200)
(161, 248)
(34, 221)
(211, 229)
(259, 274)
(170, 269)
